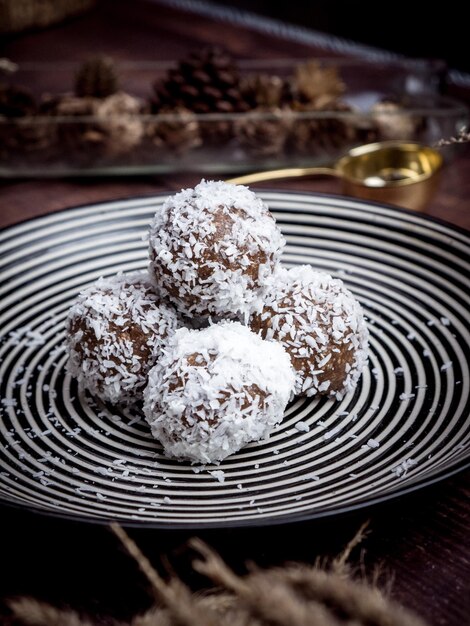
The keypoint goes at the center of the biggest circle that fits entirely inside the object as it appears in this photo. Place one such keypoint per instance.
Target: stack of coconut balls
(217, 336)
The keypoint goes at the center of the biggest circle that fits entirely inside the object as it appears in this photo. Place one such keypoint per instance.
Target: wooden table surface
(421, 540)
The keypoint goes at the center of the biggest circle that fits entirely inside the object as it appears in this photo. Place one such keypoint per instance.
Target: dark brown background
(412, 33)
(422, 540)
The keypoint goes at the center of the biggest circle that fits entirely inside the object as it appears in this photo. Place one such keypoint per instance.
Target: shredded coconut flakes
(238, 393)
(101, 329)
(320, 324)
(203, 244)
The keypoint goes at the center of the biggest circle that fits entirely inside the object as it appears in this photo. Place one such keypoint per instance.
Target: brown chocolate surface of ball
(216, 389)
(115, 333)
(213, 248)
(247, 395)
(320, 324)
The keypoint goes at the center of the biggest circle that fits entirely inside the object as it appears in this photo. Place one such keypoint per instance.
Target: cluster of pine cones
(270, 115)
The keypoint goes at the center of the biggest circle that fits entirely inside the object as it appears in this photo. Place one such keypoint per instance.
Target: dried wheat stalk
(294, 595)
(462, 137)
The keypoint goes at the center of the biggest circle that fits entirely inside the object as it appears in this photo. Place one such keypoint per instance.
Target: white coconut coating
(320, 324)
(115, 332)
(212, 249)
(214, 390)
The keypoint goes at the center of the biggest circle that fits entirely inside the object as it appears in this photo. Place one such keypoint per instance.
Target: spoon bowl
(397, 172)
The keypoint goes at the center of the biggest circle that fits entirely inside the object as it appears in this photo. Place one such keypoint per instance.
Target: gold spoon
(397, 172)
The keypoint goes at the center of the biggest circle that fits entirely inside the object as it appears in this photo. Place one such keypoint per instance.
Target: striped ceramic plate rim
(405, 426)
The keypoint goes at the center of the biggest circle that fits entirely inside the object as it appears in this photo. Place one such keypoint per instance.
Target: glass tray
(133, 143)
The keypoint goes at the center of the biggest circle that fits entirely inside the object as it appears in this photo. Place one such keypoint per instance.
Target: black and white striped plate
(406, 425)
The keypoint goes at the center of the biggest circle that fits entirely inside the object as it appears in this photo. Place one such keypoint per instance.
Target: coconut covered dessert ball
(115, 332)
(320, 324)
(216, 389)
(212, 249)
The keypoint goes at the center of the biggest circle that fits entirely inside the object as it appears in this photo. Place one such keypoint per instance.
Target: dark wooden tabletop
(421, 540)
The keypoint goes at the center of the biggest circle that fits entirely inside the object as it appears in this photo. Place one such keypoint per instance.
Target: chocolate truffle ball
(115, 332)
(216, 389)
(213, 248)
(320, 324)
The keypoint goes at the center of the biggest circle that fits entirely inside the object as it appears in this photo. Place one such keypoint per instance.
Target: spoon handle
(293, 172)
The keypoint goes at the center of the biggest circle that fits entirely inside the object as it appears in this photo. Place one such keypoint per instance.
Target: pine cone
(315, 136)
(206, 82)
(96, 78)
(263, 132)
(81, 141)
(263, 90)
(365, 129)
(16, 101)
(179, 133)
(20, 133)
(114, 125)
(22, 139)
(119, 119)
(392, 122)
(316, 86)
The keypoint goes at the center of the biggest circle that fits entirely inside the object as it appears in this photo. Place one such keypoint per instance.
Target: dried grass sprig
(340, 564)
(355, 600)
(301, 595)
(273, 602)
(462, 137)
(328, 594)
(174, 595)
(34, 613)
